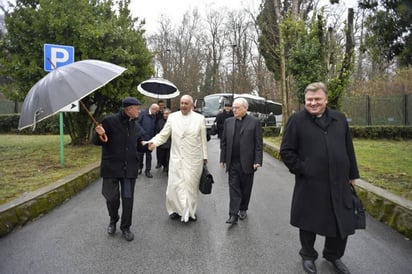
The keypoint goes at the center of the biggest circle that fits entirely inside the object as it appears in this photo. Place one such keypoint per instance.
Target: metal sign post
(57, 56)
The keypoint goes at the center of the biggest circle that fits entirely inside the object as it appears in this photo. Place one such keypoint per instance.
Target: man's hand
(222, 165)
(151, 146)
(100, 130)
(256, 166)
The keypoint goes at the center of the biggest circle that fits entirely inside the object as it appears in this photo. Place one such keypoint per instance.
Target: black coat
(119, 154)
(251, 141)
(159, 126)
(220, 121)
(323, 161)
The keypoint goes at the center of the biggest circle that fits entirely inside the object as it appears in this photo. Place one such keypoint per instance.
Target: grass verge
(29, 162)
(383, 163)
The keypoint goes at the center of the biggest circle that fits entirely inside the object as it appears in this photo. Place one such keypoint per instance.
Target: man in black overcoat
(317, 148)
(242, 153)
(118, 163)
(221, 117)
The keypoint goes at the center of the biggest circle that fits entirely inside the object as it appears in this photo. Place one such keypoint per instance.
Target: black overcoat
(220, 121)
(119, 154)
(323, 161)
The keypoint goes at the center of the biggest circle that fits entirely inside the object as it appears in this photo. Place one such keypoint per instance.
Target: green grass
(29, 162)
(383, 163)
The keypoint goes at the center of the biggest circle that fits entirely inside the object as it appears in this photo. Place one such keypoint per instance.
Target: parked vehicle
(260, 107)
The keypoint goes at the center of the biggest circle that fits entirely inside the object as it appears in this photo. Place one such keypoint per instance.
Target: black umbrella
(158, 88)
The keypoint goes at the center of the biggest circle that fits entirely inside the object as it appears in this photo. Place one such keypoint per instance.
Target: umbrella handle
(102, 137)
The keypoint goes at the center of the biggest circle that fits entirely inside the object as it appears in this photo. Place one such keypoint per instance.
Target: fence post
(368, 110)
(406, 113)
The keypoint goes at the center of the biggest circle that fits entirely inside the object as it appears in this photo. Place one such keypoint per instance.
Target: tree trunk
(283, 87)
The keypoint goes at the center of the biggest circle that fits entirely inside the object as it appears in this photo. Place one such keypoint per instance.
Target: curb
(34, 204)
(381, 204)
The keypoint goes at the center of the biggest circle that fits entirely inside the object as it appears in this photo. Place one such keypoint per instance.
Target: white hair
(241, 101)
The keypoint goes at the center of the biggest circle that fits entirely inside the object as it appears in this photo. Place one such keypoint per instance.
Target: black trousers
(148, 163)
(112, 192)
(240, 188)
(163, 155)
(334, 247)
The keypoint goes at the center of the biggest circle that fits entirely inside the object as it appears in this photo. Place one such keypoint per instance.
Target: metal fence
(378, 110)
(360, 110)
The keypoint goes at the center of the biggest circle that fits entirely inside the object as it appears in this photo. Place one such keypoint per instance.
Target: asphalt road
(72, 238)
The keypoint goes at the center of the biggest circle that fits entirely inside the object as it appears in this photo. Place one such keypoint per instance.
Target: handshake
(150, 146)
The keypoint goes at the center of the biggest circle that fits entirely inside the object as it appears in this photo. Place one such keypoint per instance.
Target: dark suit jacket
(251, 142)
(148, 123)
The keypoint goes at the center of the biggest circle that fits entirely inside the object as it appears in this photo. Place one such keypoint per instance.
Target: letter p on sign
(57, 56)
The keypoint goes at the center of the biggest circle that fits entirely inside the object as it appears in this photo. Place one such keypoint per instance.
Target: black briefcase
(360, 217)
(206, 181)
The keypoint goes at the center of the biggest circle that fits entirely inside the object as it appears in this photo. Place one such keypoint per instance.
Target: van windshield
(211, 106)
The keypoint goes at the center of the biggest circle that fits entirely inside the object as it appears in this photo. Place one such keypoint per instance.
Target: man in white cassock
(188, 154)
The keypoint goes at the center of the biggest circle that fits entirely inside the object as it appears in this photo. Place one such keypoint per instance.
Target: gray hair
(241, 101)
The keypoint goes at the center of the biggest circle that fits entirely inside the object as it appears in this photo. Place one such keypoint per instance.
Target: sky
(152, 10)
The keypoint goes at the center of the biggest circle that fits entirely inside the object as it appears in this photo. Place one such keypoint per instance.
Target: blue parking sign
(57, 56)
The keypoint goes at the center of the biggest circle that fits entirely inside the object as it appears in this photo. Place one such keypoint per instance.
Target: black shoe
(111, 229)
(340, 267)
(174, 216)
(148, 174)
(309, 266)
(158, 166)
(128, 235)
(242, 214)
(232, 220)
(139, 171)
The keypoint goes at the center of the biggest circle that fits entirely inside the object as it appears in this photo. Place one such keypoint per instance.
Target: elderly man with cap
(118, 163)
(221, 117)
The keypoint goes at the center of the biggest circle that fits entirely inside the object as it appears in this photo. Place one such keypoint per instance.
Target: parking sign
(57, 56)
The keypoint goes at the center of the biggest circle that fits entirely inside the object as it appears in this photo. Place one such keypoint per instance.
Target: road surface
(73, 239)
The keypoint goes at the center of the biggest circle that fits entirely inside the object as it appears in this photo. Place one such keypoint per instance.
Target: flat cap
(130, 101)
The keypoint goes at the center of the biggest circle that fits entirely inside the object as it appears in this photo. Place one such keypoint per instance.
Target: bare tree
(239, 26)
(188, 51)
(217, 34)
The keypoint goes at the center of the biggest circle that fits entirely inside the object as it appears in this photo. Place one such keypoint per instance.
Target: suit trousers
(148, 162)
(112, 193)
(163, 156)
(240, 187)
(334, 247)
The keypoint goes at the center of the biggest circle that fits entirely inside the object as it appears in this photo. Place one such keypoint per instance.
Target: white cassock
(187, 151)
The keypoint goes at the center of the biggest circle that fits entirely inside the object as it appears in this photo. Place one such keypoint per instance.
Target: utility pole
(167, 74)
(233, 71)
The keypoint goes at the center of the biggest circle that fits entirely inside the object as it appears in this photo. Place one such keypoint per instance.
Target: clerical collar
(241, 118)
